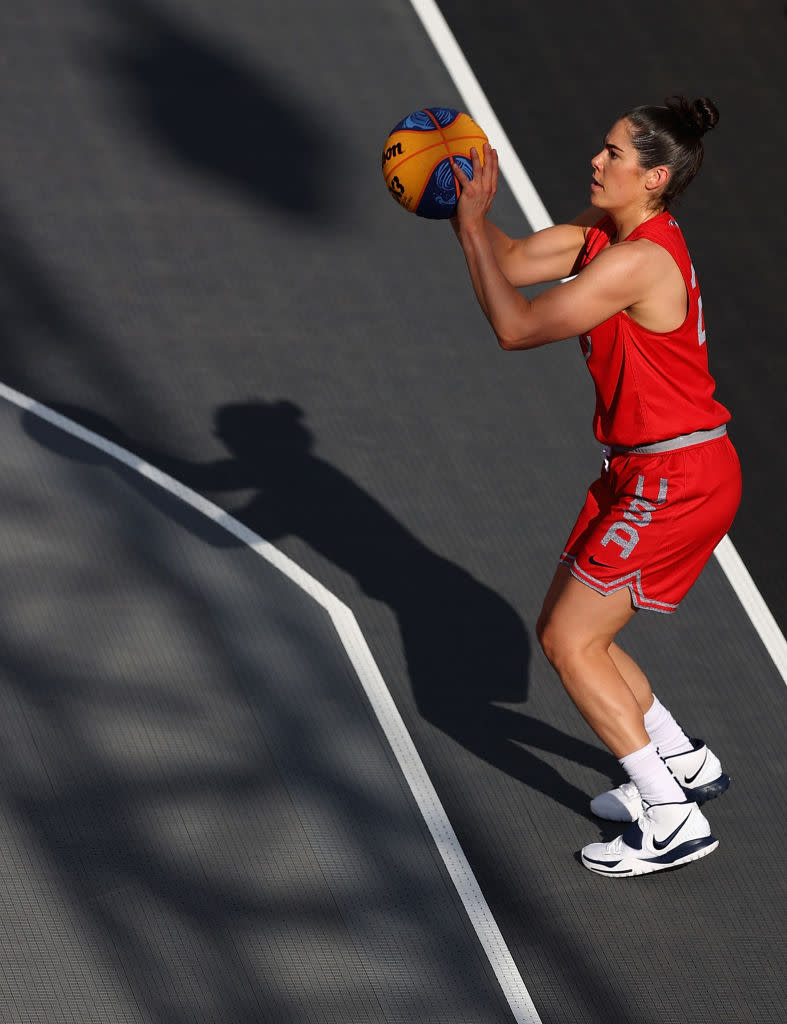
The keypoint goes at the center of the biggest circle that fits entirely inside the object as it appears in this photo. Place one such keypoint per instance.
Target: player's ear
(656, 178)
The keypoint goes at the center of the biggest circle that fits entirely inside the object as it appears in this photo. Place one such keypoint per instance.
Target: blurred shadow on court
(200, 102)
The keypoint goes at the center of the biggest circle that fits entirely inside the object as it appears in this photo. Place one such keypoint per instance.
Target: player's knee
(564, 649)
(552, 640)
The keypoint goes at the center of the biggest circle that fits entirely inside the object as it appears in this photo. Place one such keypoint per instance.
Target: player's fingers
(484, 172)
(491, 163)
(460, 174)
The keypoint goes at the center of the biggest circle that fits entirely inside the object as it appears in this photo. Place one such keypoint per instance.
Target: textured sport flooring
(204, 816)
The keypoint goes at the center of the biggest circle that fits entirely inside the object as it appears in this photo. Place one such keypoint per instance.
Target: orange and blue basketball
(416, 159)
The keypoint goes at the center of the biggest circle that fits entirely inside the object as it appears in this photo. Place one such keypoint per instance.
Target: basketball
(416, 159)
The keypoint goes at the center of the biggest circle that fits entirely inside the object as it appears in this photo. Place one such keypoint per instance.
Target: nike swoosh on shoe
(661, 844)
(689, 779)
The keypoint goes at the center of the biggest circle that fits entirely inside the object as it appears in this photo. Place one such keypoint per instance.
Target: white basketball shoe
(663, 836)
(697, 772)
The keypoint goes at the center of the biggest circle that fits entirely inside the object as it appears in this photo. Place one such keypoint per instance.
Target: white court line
(480, 110)
(537, 216)
(752, 600)
(371, 679)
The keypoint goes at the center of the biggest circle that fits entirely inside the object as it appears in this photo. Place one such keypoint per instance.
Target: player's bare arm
(629, 276)
(622, 277)
(546, 255)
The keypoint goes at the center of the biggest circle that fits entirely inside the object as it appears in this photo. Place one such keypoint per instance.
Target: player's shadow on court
(466, 648)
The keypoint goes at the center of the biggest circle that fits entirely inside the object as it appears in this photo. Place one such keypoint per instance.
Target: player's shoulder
(636, 262)
(587, 219)
(644, 251)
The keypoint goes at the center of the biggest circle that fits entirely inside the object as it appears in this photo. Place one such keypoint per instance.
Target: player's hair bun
(697, 117)
(672, 136)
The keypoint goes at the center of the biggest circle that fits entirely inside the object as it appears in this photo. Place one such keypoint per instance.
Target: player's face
(618, 180)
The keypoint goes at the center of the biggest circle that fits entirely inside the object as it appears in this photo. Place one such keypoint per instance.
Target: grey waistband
(671, 444)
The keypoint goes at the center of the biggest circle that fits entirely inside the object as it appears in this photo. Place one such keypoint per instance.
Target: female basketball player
(670, 484)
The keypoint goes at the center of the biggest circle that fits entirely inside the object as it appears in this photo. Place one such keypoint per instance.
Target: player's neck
(629, 220)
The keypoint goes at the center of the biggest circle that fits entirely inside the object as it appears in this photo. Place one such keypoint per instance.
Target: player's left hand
(478, 192)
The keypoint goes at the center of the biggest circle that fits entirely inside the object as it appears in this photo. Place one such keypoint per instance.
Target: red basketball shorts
(651, 522)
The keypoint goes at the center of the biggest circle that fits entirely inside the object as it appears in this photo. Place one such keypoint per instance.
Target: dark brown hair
(671, 136)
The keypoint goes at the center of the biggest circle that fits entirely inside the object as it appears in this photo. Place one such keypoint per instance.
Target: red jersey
(650, 386)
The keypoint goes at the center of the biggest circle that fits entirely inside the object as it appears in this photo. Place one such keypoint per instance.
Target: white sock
(651, 776)
(665, 731)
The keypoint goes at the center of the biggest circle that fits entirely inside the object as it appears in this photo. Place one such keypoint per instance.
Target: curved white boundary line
(373, 684)
(534, 210)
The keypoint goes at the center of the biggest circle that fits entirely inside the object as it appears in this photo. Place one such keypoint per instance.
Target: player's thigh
(575, 617)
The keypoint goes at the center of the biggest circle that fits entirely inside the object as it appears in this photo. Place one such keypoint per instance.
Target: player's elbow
(513, 341)
(506, 342)
(508, 331)
(515, 328)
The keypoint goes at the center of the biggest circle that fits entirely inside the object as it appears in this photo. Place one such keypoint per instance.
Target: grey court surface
(202, 817)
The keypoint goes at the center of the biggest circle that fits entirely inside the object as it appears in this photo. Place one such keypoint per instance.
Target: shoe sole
(687, 852)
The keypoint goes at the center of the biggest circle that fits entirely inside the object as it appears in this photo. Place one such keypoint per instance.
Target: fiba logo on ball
(416, 159)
